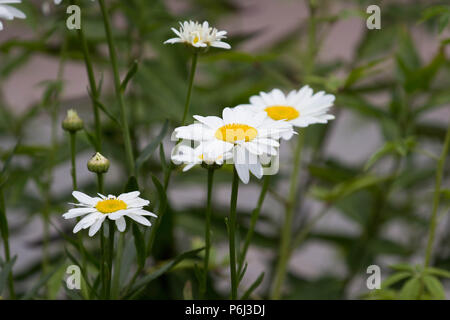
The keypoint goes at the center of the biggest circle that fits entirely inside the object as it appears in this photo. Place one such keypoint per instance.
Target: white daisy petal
(199, 35)
(139, 219)
(300, 108)
(142, 212)
(129, 195)
(77, 212)
(121, 224)
(96, 226)
(84, 198)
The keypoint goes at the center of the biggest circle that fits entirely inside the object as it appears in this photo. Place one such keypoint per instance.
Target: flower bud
(98, 164)
(72, 122)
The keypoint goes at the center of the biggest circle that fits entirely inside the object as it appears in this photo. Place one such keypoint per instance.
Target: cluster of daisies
(248, 135)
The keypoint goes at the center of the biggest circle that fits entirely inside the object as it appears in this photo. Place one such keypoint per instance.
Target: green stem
(92, 86)
(286, 231)
(5, 236)
(110, 257)
(81, 248)
(168, 174)
(190, 85)
(118, 88)
(104, 254)
(73, 137)
(118, 263)
(253, 220)
(232, 235)
(203, 285)
(436, 197)
(301, 236)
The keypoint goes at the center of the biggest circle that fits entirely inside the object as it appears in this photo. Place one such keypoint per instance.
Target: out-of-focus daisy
(300, 108)
(199, 155)
(9, 12)
(96, 209)
(247, 135)
(199, 35)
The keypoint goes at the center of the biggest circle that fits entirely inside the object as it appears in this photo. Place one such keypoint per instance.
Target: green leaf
(55, 282)
(131, 72)
(132, 184)
(401, 147)
(139, 243)
(161, 193)
(347, 188)
(411, 289)
(437, 272)
(4, 274)
(141, 283)
(92, 140)
(434, 286)
(6, 164)
(443, 13)
(362, 72)
(253, 287)
(41, 282)
(151, 147)
(402, 267)
(396, 277)
(106, 111)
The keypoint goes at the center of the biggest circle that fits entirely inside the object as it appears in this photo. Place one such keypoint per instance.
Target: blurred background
(367, 177)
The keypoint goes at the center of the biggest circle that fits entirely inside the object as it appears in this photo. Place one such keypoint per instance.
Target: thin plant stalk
(110, 250)
(286, 231)
(168, 174)
(208, 212)
(436, 197)
(232, 235)
(73, 171)
(281, 268)
(118, 89)
(253, 220)
(190, 85)
(118, 263)
(103, 248)
(5, 236)
(92, 86)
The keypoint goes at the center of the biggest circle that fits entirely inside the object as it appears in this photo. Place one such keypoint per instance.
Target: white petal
(143, 212)
(121, 224)
(77, 212)
(129, 195)
(96, 226)
(139, 219)
(84, 198)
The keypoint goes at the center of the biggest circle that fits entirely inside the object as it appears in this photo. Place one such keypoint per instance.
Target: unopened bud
(72, 122)
(98, 164)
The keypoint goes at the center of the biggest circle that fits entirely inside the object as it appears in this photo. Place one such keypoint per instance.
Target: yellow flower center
(110, 205)
(282, 112)
(236, 132)
(196, 39)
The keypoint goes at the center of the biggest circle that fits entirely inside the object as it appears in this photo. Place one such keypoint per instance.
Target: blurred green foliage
(392, 186)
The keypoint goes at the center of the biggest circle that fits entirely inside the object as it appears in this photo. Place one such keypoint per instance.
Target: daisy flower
(240, 131)
(9, 12)
(199, 155)
(300, 108)
(199, 35)
(96, 210)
